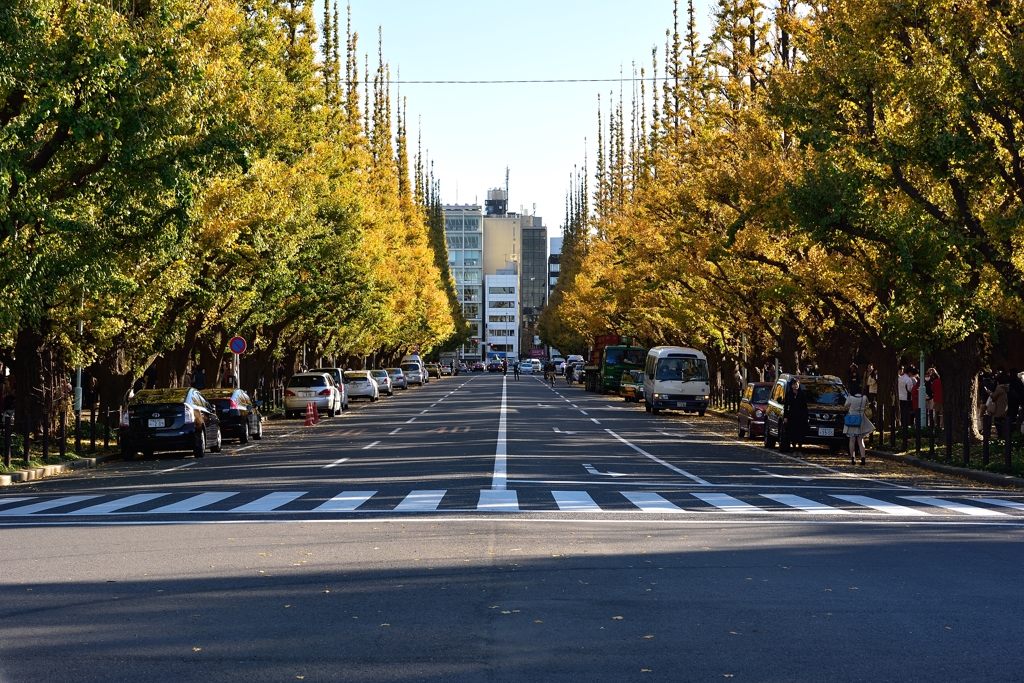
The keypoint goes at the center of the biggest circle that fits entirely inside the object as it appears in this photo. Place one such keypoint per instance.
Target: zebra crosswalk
(159, 504)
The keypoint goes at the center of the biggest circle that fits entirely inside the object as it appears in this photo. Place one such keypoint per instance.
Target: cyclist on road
(570, 373)
(549, 372)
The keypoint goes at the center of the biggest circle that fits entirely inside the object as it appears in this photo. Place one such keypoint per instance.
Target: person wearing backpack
(856, 424)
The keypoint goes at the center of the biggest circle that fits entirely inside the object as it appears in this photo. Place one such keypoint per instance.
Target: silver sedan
(398, 378)
(383, 380)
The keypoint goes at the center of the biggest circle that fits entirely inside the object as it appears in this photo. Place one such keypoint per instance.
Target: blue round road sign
(237, 345)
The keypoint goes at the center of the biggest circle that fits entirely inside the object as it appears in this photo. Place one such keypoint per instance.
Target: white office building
(462, 226)
(502, 312)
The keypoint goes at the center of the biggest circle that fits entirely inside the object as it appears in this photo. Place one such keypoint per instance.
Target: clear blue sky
(473, 132)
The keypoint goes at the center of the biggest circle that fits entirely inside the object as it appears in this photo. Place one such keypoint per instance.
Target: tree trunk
(958, 367)
(28, 377)
(789, 349)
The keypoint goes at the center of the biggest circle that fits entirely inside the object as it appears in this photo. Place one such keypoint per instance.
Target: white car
(312, 387)
(361, 385)
(526, 367)
(414, 373)
(383, 380)
(559, 364)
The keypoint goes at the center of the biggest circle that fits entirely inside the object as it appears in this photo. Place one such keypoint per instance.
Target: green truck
(608, 363)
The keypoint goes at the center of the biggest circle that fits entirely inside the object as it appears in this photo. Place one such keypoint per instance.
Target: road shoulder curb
(51, 470)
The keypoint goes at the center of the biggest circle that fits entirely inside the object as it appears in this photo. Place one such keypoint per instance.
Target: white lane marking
(244, 448)
(575, 501)
(346, 501)
(660, 461)
(500, 478)
(883, 506)
(584, 412)
(779, 476)
(1001, 503)
(335, 463)
(567, 400)
(650, 502)
(395, 431)
(179, 467)
(574, 406)
(431, 405)
(421, 501)
(410, 420)
(269, 502)
(498, 501)
(423, 412)
(281, 436)
(955, 506)
(559, 431)
(8, 501)
(120, 504)
(594, 420)
(726, 502)
(369, 446)
(195, 502)
(805, 504)
(45, 505)
(593, 470)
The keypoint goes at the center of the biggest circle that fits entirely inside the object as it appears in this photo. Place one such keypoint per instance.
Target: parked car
(312, 387)
(631, 387)
(446, 370)
(559, 364)
(239, 416)
(383, 380)
(362, 385)
(414, 373)
(414, 358)
(463, 368)
(478, 367)
(338, 375)
(397, 378)
(494, 366)
(433, 370)
(169, 420)
(753, 406)
(826, 409)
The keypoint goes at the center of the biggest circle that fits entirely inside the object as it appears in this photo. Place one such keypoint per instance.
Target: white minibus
(676, 378)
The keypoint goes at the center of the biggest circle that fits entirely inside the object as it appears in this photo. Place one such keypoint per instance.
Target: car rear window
(760, 395)
(155, 396)
(308, 381)
(411, 367)
(394, 371)
(380, 373)
(355, 376)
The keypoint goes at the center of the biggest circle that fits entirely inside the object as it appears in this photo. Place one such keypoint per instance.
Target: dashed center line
(395, 431)
(366, 448)
(179, 467)
(335, 463)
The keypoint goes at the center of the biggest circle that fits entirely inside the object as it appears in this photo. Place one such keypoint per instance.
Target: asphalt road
(483, 529)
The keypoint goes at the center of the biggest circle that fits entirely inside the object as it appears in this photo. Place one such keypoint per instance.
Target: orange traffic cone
(316, 414)
(310, 420)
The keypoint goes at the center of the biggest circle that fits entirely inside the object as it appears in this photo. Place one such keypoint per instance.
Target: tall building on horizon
(464, 236)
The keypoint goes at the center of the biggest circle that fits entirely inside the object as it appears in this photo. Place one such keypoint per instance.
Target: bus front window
(682, 370)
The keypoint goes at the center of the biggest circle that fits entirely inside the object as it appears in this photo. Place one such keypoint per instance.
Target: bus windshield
(682, 369)
(625, 356)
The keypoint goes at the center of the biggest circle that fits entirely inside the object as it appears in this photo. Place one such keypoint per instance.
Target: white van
(424, 378)
(676, 378)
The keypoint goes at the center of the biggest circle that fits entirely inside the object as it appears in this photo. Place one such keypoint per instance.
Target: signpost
(237, 346)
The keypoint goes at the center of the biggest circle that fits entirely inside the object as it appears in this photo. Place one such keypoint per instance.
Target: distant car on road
(169, 420)
(478, 367)
(383, 380)
(239, 416)
(317, 388)
(397, 378)
(414, 373)
(463, 368)
(362, 385)
(433, 370)
(826, 409)
(753, 407)
(494, 366)
(446, 370)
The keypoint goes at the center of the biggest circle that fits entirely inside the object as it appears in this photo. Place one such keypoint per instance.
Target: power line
(623, 79)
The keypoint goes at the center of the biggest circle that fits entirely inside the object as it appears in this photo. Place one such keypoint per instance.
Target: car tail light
(325, 392)
(289, 392)
(125, 416)
(189, 417)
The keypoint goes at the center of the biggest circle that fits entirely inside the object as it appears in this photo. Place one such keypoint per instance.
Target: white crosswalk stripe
(883, 506)
(651, 502)
(493, 500)
(269, 502)
(45, 505)
(575, 501)
(805, 504)
(956, 507)
(346, 501)
(727, 502)
(420, 501)
(195, 502)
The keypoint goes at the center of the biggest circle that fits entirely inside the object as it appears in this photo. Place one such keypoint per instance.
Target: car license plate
(157, 423)
(826, 431)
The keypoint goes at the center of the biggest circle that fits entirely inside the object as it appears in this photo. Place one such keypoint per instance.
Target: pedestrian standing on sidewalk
(856, 406)
(1016, 397)
(999, 403)
(794, 418)
(870, 387)
(936, 393)
(904, 385)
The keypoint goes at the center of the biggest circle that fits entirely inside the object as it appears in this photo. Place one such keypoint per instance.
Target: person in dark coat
(794, 417)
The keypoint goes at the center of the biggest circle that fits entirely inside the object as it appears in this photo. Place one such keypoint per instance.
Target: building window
(471, 294)
(472, 241)
(501, 318)
(554, 267)
(501, 290)
(471, 311)
(501, 304)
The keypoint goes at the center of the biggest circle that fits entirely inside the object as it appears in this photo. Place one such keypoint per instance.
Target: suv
(826, 408)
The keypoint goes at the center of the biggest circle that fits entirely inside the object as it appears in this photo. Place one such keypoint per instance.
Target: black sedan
(169, 420)
(494, 366)
(239, 416)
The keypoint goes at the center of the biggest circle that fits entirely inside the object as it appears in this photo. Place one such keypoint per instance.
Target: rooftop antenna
(456, 191)
(506, 190)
